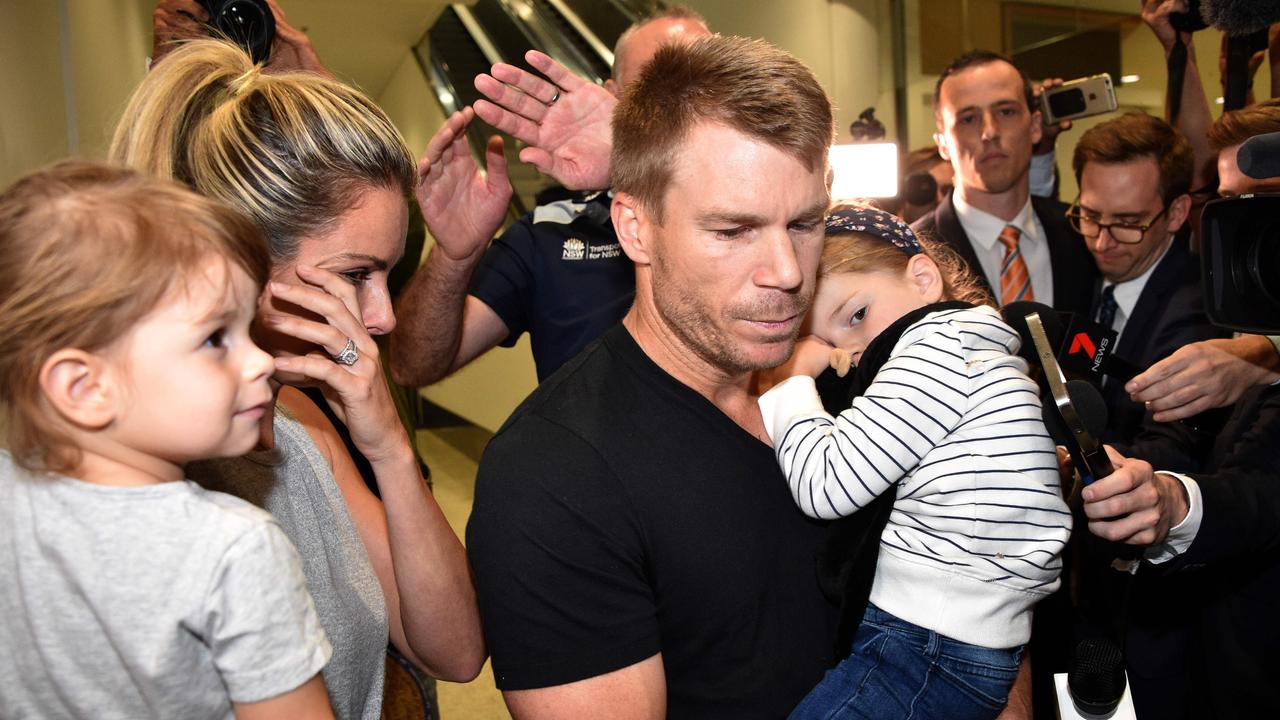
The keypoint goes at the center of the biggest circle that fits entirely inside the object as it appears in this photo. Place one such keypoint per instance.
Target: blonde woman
(322, 171)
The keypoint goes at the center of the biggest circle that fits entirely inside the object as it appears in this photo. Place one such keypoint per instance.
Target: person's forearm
(1019, 705)
(1256, 350)
(424, 345)
(1194, 120)
(436, 598)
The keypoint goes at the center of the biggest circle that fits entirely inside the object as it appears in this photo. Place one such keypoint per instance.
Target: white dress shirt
(984, 229)
(1184, 533)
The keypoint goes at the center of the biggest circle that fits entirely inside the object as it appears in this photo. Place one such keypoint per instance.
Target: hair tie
(245, 80)
(878, 223)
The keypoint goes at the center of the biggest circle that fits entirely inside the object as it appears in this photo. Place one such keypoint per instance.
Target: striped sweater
(952, 424)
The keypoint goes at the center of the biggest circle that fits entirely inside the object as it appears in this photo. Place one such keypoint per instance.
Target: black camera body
(247, 23)
(1240, 248)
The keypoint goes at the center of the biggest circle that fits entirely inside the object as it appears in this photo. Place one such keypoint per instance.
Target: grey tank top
(295, 484)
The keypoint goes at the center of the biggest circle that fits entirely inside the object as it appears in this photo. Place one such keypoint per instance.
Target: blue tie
(1107, 310)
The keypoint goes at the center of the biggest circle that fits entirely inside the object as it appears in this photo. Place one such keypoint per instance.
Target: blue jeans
(900, 670)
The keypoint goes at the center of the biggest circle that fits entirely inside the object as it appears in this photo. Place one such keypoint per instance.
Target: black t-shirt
(559, 274)
(619, 514)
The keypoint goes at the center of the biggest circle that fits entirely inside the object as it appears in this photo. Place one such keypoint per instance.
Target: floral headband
(886, 226)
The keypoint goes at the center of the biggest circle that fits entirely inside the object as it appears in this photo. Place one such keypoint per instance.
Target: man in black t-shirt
(635, 547)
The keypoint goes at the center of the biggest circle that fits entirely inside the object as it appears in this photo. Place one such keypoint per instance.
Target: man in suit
(1206, 649)
(1134, 174)
(1021, 247)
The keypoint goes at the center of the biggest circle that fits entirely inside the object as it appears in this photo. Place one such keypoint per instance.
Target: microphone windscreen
(1096, 680)
(1240, 17)
(1015, 314)
(1089, 407)
(1259, 156)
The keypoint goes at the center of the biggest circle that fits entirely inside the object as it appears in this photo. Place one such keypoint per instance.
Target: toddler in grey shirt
(127, 591)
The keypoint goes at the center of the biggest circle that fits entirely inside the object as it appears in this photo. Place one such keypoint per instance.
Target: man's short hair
(747, 85)
(974, 58)
(1137, 135)
(674, 12)
(1236, 126)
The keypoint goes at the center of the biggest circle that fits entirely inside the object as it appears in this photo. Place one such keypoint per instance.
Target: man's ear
(1037, 127)
(80, 387)
(926, 277)
(631, 223)
(1179, 209)
(940, 141)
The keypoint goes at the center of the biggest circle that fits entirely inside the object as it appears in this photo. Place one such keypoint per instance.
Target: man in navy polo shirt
(557, 273)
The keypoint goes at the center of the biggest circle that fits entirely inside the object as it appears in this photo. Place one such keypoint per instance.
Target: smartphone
(1092, 95)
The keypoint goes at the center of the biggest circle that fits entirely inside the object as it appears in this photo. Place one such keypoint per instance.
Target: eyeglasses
(1124, 233)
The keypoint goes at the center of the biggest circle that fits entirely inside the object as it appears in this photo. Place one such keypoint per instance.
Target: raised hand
(565, 123)
(461, 204)
(173, 21)
(1049, 137)
(292, 49)
(1155, 13)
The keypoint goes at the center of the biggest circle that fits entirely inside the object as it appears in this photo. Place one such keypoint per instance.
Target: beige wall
(106, 43)
(840, 40)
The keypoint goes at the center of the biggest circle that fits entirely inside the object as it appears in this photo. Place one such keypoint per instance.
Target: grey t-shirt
(161, 601)
(295, 484)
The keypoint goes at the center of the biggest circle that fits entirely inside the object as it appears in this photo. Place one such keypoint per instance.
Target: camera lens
(1263, 266)
(248, 23)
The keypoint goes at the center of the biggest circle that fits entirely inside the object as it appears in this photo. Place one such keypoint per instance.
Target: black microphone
(1083, 348)
(1259, 156)
(1096, 680)
(1240, 17)
(1015, 314)
(1088, 350)
(1090, 410)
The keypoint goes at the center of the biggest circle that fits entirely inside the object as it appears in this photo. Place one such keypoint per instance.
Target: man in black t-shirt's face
(726, 275)
(722, 217)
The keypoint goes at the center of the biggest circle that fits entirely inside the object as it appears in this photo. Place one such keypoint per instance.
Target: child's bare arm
(309, 701)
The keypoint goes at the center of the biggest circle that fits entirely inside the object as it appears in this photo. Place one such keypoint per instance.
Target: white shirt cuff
(1184, 533)
(793, 398)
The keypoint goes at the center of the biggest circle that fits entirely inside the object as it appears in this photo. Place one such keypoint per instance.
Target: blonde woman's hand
(357, 392)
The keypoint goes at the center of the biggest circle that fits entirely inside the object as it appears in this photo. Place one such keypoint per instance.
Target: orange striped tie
(1015, 280)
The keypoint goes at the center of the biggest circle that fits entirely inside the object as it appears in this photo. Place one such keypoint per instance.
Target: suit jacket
(1169, 314)
(1074, 272)
(1215, 655)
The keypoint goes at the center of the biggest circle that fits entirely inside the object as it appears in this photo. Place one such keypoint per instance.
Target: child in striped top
(950, 423)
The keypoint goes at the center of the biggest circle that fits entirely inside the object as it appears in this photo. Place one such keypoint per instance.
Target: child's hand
(811, 357)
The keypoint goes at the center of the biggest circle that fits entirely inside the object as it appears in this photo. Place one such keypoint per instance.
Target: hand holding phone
(1078, 98)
